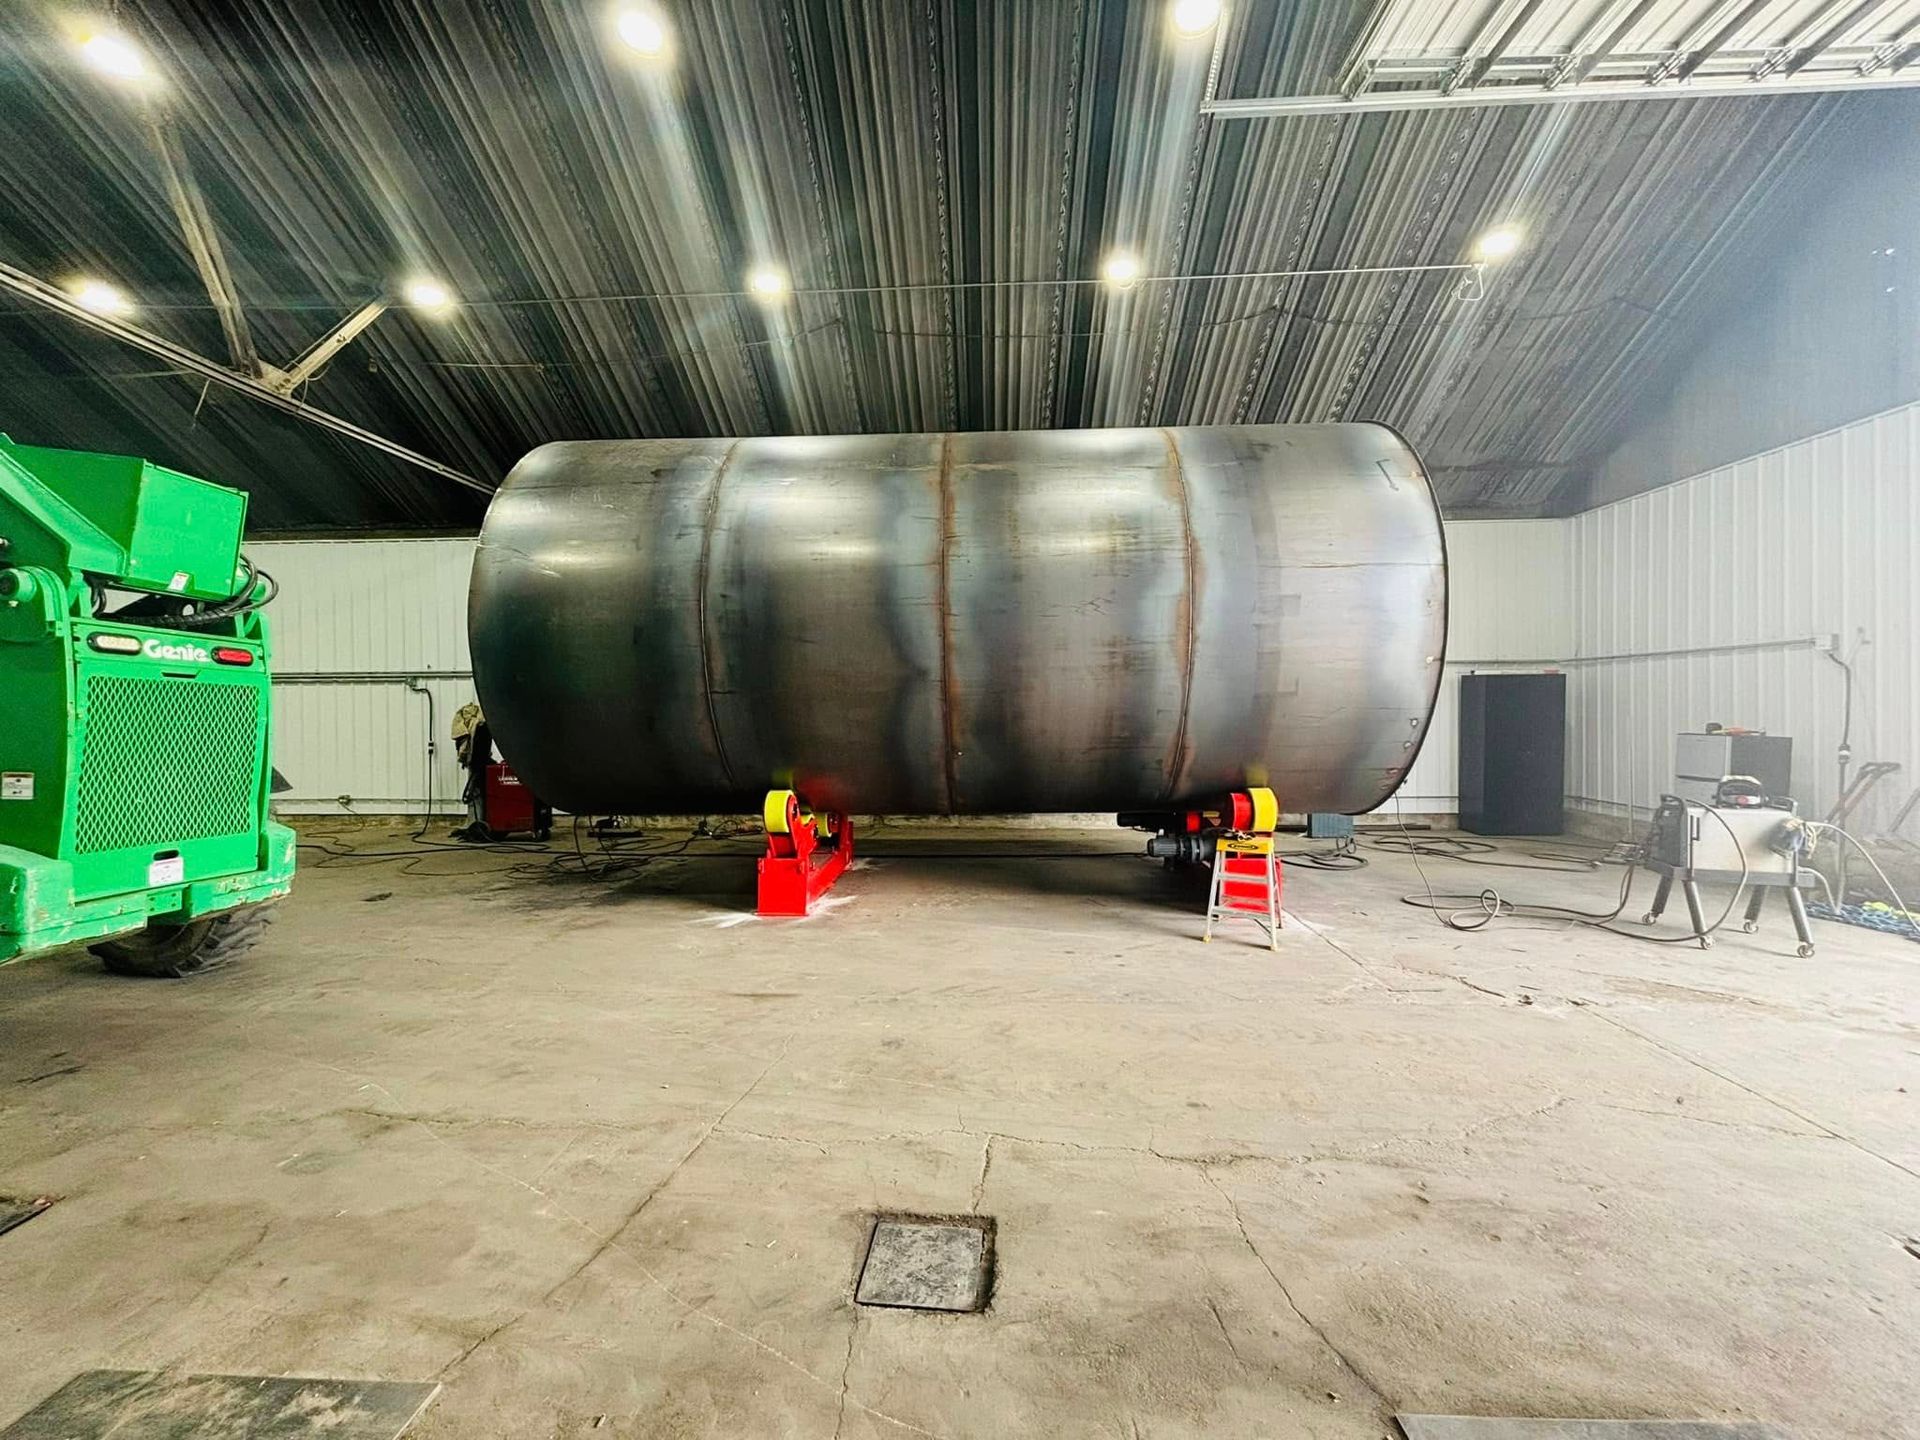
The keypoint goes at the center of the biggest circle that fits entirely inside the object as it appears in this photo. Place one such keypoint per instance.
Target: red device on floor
(510, 806)
(499, 803)
(806, 853)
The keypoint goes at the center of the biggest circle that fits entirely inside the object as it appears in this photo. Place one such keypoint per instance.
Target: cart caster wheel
(1748, 926)
(1648, 918)
(1206, 939)
(1805, 951)
(1706, 942)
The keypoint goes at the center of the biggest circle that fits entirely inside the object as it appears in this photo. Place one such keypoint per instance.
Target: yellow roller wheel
(780, 804)
(1266, 810)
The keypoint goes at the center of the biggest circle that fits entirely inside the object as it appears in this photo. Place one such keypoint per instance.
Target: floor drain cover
(1477, 1427)
(161, 1405)
(928, 1262)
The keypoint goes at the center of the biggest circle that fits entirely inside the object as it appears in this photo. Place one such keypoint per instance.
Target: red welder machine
(499, 804)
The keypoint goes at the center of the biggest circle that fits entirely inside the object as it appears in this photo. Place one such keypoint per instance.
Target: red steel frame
(797, 869)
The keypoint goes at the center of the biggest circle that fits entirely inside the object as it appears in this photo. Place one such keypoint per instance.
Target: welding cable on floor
(1345, 855)
(1467, 910)
(1472, 852)
(1899, 905)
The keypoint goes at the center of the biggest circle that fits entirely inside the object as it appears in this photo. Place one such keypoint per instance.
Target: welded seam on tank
(700, 612)
(943, 603)
(1176, 759)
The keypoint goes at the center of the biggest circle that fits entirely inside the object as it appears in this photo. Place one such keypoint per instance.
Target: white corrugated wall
(358, 619)
(356, 623)
(1506, 610)
(1709, 595)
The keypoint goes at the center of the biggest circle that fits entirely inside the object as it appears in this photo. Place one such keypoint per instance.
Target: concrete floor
(600, 1156)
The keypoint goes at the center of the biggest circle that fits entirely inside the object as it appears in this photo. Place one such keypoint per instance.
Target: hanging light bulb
(768, 284)
(1499, 243)
(1120, 270)
(642, 30)
(100, 297)
(1193, 18)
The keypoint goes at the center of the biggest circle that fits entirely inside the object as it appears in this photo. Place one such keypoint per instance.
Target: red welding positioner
(797, 870)
(1234, 839)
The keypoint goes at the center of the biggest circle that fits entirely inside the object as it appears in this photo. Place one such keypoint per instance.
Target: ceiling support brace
(1374, 102)
(33, 288)
(203, 241)
(316, 355)
(210, 259)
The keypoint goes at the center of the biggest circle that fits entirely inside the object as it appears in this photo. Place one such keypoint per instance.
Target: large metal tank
(963, 624)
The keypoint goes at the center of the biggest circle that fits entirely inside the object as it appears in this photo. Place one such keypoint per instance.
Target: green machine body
(135, 715)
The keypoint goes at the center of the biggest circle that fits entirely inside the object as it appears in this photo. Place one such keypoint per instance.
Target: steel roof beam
(1698, 56)
(1584, 57)
(1471, 70)
(1361, 60)
(1797, 55)
(1896, 53)
(1597, 92)
(203, 241)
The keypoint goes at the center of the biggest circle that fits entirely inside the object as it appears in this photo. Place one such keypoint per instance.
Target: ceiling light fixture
(113, 54)
(100, 297)
(643, 31)
(1498, 243)
(767, 283)
(428, 295)
(1120, 270)
(1194, 18)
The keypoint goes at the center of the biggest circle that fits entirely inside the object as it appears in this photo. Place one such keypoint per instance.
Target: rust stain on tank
(1185, 623)
(700, 610)
(943, 604)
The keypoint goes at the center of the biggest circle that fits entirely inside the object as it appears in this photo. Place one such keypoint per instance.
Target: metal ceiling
(904, 162)
(1428, 54)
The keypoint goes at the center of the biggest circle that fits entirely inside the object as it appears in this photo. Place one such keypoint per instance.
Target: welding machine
(499, 804)
(134, 769)
(1745, 838)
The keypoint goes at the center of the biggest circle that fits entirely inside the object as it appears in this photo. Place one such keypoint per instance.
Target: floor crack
(775, 1138)
(986, 1164)
(846, 1370)
(1599, 1013)
(613, 1236)
(1225, 1333)
(1346, 1360)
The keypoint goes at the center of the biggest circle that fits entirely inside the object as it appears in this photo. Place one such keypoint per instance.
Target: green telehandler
(134, 716)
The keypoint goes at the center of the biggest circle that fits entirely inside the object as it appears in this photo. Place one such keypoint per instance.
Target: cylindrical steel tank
(1060, 620)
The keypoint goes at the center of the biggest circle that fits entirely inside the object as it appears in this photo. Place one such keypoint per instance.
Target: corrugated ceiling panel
(862, 143)
(1452, 27)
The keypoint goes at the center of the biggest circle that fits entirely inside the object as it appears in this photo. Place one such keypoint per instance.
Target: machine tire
(175, 951)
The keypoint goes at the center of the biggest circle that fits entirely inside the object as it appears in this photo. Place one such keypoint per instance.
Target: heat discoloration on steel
(965, 623)
(702, 577)
(1177, 756)
(949, 754)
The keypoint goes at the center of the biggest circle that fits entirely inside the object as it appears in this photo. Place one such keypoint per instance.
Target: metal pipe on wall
(963, 623)
(413, 680)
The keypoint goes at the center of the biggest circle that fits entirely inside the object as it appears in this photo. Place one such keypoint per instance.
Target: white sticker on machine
(16, 785)
(167, 870)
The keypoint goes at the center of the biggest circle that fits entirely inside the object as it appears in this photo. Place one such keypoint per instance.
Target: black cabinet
(1513, 738)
